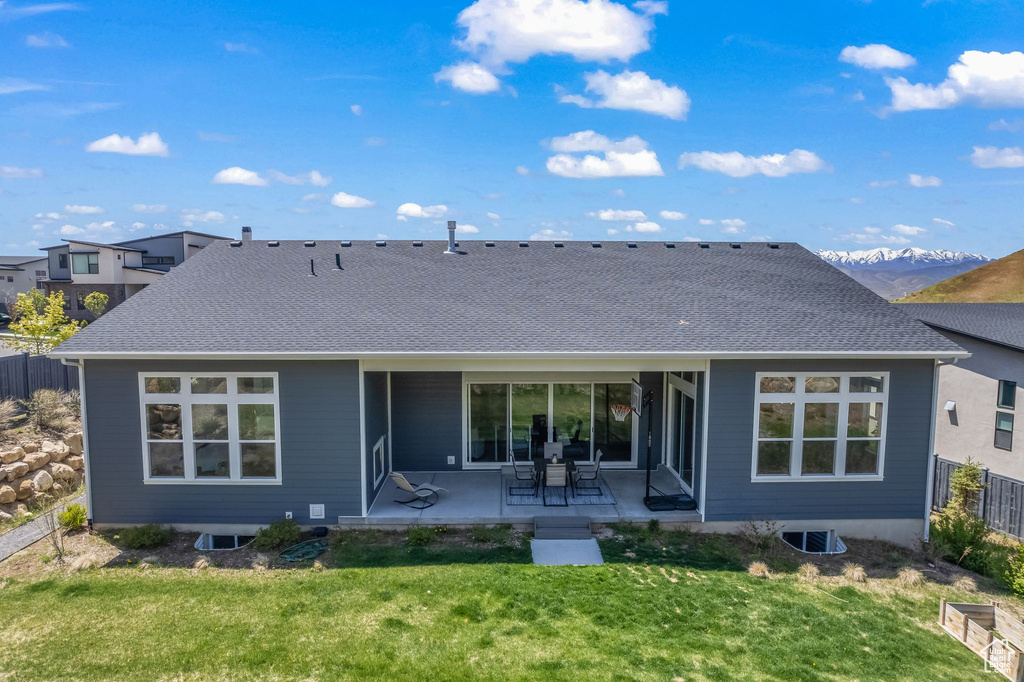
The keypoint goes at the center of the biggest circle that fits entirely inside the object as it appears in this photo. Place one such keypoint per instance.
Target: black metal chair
(524, 471)
(556, 476)
(585, 473)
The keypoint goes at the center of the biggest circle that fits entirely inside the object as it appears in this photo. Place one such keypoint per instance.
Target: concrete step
(562, 528)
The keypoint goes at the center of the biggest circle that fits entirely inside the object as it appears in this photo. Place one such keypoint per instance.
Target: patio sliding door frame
(550, 379)
(675, 387)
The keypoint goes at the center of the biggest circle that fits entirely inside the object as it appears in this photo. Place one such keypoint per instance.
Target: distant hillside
(1001, 281)
(892, 273)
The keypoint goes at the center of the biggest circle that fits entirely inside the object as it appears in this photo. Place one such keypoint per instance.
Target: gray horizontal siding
(426, 420)
(320, 447)
(730, 494)
(375, 398)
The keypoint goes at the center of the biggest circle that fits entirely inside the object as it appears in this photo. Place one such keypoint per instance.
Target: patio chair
(524, 471)
(424, 495)
(584, 474)
(555, 476)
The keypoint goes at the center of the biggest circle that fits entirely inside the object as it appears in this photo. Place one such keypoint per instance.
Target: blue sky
(839, 124)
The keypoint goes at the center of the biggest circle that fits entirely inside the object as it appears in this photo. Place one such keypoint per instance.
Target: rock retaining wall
(39, 469)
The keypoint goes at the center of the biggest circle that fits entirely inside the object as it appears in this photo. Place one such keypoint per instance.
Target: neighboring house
(19, 274)
(118, 270)
(980, 398)
(307, 371)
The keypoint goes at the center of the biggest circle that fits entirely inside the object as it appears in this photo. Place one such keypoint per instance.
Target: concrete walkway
(566, 552)
(21, 537)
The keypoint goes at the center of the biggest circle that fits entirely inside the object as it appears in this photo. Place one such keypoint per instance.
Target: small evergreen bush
(73, 517)
(420, 536)
(277, 535)
(144, 537)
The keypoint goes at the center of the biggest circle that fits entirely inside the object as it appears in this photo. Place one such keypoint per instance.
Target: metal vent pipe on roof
(246, 233)
(451, 237)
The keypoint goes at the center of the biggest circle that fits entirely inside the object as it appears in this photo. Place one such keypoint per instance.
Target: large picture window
(819, 426)
(210, 428)
(85, 263)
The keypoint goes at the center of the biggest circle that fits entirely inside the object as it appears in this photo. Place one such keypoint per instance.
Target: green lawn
(674, 607)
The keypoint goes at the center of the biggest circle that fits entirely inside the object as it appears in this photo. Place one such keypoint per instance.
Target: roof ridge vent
(773, 245)
(310, 243)
(595, 245)
(736, 245)
(559, 245)
(630, 245)
(346, 243)
(236, 243)
(417, 243)
(381, 242)
(489, 244)
(704, 245)
(523, 245)
(670, 245)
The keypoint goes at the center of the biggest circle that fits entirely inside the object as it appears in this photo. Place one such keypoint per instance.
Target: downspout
(930, 487)
(80, 364)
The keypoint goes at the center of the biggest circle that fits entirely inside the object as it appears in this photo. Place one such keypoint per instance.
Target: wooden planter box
(988, 631)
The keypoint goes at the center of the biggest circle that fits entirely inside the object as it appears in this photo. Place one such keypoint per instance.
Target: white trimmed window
(210, 428)
(821, 426)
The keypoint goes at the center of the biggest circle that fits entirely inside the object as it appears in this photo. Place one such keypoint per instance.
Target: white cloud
(738, 165)
(616, 214)
(652, 7)
(612, 231)
(136, 226)
(869, 238)
(522, 170)
(706, 221)
(357, 109)
(1014, 126)
(189, 217)
(149, 208)
(992, 157)
(550, 235)
(693, 239)
(149, 144)
(493, 216)
(82, 210)
(632, 90)
(314, 197)
(48, 216)
(239, 176)
(876, 56)
(733, 226)
(13, 172)
(499, 32)
(873, 230)
(987, 79)
(11, 86)
(105, 226)
(645, 226)
(241, 47)
(313, 177)
(45, 39)
(70, 230)
(468, 229)
(883, 183)
(469, 77)
(619, 192)
(381, 235)
(671, 215)
(909, 230)
(623, 158)
(944, 222)
(916, 180)
(345, 200)
(411, 210)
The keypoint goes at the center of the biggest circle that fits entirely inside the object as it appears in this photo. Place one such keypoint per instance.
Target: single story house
(780, 388)
(978, 396)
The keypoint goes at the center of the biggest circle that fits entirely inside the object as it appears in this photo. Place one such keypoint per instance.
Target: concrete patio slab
(566, 553)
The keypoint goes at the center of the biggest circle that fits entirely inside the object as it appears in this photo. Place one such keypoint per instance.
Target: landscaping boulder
(57, 451)
(24, 489)
(75, 462)
(57, 489)
(79, 478)
(30, 447)
(8, 456)
(60, 472)
(7, 494)
(36, 460)
(4, 516)
(16, 470)
(74, 443)
(20, 510)
(42, 481)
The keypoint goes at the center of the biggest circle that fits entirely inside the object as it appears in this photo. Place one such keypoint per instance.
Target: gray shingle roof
(506, 298)
(1001, 323)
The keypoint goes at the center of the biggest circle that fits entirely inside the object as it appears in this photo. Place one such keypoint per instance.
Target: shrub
(144, 537)
(653, 526)
(1015, 572)
(762, 536)
(85, 562)
(420, 536)
(10, 414)
(758, 569)
(73, 401)
(47, 410)
(73, 517)
(965, 483)
(808, 572)
(498, 534)
(962, 539)
(283, 533)
(910, 577)
(854, 573)
(965, 583)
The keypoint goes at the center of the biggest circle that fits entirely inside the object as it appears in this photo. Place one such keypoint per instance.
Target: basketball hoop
(620, 412)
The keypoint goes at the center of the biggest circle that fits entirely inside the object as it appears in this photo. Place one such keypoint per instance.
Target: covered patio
(481, 497)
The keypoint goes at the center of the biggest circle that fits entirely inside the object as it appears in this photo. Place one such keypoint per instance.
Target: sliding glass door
(520, 417)
(682, 425)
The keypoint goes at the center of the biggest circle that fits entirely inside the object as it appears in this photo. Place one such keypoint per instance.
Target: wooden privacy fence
(21, 375)
(1001, 503)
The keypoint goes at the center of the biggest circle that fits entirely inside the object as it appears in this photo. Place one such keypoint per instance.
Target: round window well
(208, 542)
(814, 541)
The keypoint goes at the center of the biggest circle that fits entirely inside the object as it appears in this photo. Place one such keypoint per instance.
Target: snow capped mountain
(909, 258)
